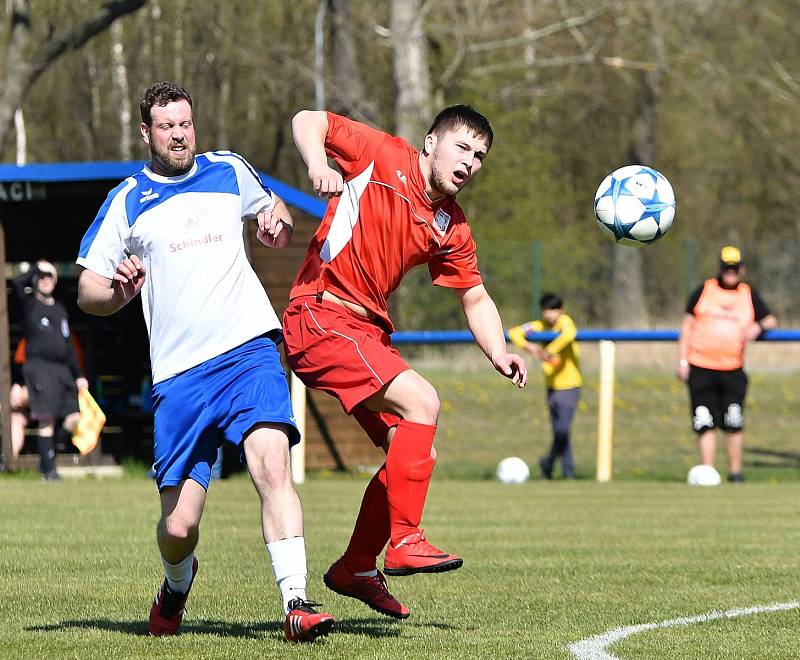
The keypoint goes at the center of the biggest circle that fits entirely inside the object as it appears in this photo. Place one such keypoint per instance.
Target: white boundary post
(605, 413)
(298, 453)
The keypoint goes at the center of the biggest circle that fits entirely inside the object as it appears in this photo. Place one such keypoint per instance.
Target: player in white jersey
(174, 233)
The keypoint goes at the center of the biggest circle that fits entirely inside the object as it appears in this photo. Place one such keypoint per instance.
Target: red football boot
(167, 611)
(304, 623)
(370, 590)
(415, 555)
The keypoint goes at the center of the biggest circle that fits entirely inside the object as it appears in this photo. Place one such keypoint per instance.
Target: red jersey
(383, 225)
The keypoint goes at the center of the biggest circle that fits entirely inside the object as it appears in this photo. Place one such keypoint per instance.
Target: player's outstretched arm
(101, 296)
(275, 227)
(484, 322)
(309, 128)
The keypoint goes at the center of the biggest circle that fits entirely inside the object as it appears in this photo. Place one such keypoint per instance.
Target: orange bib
(721, 317)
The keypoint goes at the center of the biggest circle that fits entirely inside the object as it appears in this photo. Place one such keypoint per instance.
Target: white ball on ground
(513, 470)
(703, 475)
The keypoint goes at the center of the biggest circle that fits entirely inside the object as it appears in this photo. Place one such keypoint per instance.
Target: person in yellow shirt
(561, 366)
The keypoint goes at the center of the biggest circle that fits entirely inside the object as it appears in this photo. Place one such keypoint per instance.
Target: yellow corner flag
(87, 432)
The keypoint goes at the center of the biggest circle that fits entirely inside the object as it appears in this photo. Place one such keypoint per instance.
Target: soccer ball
(513, 470)
(703, 475)
(635, 205)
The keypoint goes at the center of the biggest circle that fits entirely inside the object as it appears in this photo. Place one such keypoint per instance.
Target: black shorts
(717, 399)
(51, 389)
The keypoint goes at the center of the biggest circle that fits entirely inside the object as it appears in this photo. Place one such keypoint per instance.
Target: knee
(268, 461)
(71, 421)
(180, 528)
(425, 405)
(272, 476)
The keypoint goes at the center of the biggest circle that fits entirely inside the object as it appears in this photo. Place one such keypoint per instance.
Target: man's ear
(430, 144)
(145, 129)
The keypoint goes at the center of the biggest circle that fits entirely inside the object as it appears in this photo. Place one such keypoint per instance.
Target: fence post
(298, 453)
(605, 412)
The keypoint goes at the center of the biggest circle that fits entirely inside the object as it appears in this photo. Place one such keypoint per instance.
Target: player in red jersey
(391, 208)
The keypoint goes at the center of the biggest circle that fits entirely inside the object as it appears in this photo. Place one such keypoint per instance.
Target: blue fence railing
(465, 336)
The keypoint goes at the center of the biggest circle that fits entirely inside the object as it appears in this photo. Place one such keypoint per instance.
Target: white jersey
(201, 297)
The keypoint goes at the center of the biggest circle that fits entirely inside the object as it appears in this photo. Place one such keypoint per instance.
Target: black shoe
(166, 613)
(51, 476)
(546, 468)
(736, 477)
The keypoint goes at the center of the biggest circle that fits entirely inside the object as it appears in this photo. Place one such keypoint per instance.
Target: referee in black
(51, 370)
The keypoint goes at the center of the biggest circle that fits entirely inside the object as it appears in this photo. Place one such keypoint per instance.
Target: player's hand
(512, 367)
(130, 276)
(753, 331)
(534, 349)
(326, 181)
(81, 384)
(683, 372)
(18, 397)
(274, 231)
(553, 360)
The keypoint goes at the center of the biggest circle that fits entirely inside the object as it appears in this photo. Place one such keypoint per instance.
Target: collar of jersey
(170, 179)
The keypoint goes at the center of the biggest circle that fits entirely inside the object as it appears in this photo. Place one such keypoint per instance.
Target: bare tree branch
(534, 35)
(21, 73)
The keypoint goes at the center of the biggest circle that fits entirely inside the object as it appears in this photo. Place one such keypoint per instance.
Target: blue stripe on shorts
(220, 399)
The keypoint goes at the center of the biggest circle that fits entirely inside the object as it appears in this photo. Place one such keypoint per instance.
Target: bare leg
(266, 449)
(707, 444)
(71, 421)
(735, 445)
(179, 527)
(18, 424)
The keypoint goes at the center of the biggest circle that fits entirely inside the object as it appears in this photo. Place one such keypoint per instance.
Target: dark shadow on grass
(139, 627)
(383, 627)
(369, 627)
(791, 459)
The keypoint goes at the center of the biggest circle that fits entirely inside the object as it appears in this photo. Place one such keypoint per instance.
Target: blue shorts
(221, 399)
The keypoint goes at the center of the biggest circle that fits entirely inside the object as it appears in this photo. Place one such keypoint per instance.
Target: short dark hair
(550, 301)
(161, 94)
(457, 116)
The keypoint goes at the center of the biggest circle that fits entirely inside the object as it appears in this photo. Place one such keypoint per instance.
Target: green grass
(483, 419)
(546, 564)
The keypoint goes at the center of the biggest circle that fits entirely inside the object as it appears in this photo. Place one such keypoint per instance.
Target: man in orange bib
(722, 315)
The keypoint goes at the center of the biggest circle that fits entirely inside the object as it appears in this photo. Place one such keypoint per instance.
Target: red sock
(371, 531)
(409, 465)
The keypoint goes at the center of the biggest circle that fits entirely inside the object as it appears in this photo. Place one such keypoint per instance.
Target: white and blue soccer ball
(513, 470)
(703, 475)
(635, 205)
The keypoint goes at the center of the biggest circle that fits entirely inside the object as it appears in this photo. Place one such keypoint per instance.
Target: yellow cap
(730, 256)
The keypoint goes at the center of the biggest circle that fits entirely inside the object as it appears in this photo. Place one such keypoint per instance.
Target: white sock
(289, 565)
(179, 576)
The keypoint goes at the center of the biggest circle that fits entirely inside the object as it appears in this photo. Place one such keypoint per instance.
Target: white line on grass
(593, 648)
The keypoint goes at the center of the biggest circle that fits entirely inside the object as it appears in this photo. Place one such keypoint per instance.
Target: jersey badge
(147, 195)
(401, 176)
(441, 220)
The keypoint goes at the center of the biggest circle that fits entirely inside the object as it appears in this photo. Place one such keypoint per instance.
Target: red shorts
(339, 352)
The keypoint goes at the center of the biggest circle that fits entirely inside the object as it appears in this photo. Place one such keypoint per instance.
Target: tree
(26, 60)
(411, 74)
(352, 97)
(628, 302)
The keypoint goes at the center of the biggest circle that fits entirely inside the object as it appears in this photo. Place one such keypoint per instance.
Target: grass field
(483, 418)
(546, 564)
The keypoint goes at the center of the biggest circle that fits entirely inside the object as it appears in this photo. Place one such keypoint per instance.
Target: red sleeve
(351, 144)
(456, 265)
